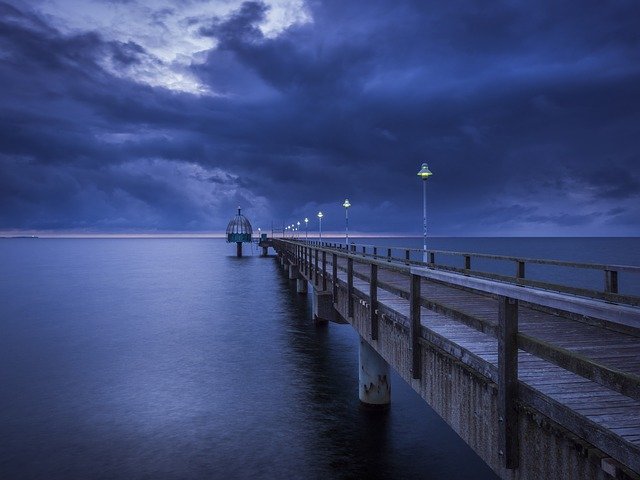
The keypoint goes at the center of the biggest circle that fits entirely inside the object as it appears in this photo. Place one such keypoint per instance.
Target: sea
(170, 358)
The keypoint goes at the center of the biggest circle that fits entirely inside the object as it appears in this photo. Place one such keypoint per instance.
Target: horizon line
(13, 234)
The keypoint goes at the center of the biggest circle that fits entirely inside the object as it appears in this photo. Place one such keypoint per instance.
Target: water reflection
(172, 359)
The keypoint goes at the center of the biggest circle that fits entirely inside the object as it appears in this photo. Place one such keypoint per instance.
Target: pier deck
(575, 370)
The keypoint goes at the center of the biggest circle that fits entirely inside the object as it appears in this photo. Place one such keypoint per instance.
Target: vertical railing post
(324, 271)
(520, 269)
(334, 268)
(388, 254)
(375, 252)
(467, 262)
(415, 327)
(508, 380)
(350, 287)
(364, 251)
(611, 281)
(315, 273)
(373, 296)
(407, 253)
(432, 258)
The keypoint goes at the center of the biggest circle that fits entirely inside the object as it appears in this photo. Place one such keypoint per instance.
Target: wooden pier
(541, 380)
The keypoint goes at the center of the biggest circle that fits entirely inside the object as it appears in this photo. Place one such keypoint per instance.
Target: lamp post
(346, 206)
(298, 229)
(306, 229)
(424, 173)
(320, 224)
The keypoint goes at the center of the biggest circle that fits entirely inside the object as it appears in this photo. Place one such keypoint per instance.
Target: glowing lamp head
(346, 203)
(320, 215)
(424, 172)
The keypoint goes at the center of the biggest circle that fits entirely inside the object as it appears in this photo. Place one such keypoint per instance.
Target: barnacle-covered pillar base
(374, 379)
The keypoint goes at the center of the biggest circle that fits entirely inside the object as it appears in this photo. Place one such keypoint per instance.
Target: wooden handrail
(508, 258)
(560, 301)
(610, 292)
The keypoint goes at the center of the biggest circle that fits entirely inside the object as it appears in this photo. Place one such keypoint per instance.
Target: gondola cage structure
(239, 231)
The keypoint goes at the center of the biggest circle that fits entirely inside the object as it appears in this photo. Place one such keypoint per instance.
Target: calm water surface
(151, 358)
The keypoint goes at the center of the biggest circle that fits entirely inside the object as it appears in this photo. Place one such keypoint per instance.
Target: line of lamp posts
(294, 229)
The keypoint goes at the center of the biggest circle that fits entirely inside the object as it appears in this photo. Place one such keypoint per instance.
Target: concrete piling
(293, 271)
(301, 285)
(323, 311)
(374, 380)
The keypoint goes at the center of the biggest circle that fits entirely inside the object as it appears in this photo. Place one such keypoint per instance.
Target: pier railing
(315, 258)
(432, 258)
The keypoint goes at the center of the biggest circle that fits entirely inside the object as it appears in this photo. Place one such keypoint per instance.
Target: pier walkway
(540, 382)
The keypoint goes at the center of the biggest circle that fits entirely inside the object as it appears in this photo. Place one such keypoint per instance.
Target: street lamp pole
(320, 224)
(424, 173)
(306, 229)
(298, 229)
(346, 206)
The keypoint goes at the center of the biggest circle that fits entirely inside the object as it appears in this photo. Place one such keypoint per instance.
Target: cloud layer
(528, 114)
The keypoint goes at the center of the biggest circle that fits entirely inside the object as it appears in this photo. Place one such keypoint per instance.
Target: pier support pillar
(301, 285)
(265, 251)
(293, 271)
(238, 249)
(374, 379)
(323, 311)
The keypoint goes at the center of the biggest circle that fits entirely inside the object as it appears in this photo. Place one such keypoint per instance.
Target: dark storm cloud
(527, 113)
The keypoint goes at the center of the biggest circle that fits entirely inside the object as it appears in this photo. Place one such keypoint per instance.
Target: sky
(130, 116)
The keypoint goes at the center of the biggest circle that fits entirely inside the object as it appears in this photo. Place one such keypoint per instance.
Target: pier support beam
(323, 311)
(301, 285)
(238, 249)
(374, 379)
